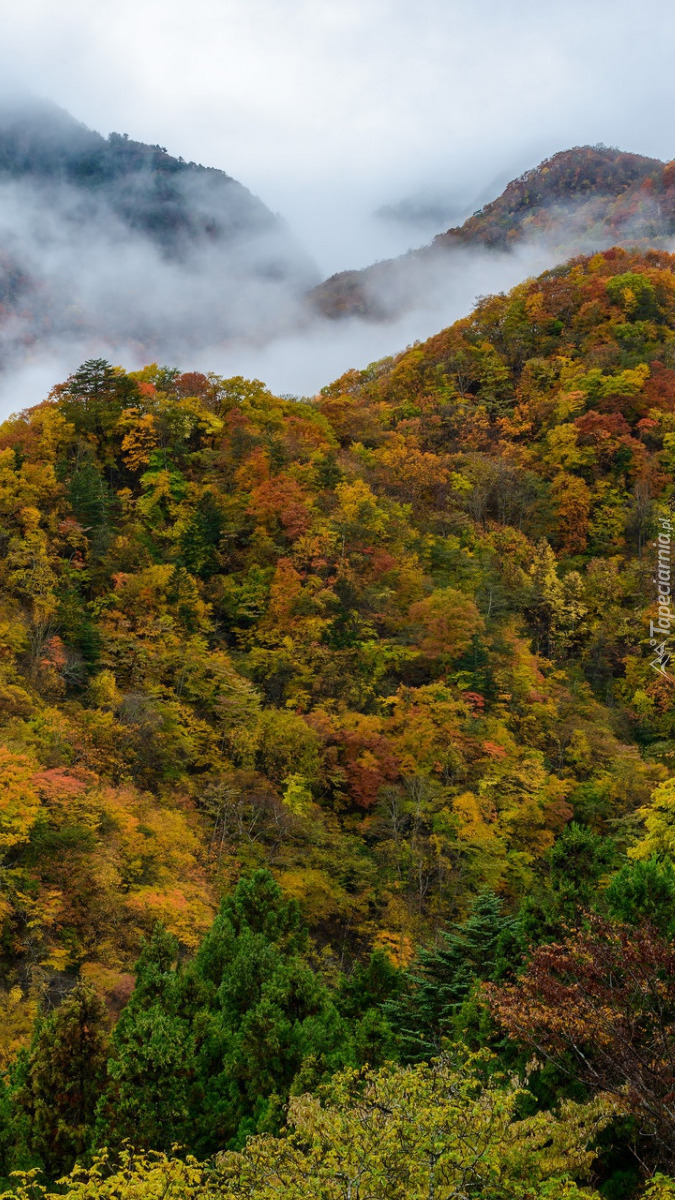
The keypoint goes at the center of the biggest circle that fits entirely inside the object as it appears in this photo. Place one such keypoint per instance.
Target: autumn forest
(337, 798)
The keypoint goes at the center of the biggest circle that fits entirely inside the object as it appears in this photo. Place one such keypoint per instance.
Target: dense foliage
(337, 805)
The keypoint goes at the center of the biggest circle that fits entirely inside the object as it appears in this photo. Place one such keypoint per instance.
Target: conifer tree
(441, 979)
(57, 1082)
(361, 998)
(270, 1025)
(577, 863)
(205, 1055)
(644, 891)
(148, 1096)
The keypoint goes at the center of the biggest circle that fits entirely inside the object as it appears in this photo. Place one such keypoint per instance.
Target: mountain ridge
(111, 241)
(45, 143)
(579, 200)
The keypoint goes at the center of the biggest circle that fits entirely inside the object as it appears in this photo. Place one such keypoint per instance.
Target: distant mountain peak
(163, 196)
(113, 239)
(579, 200)
(569, 176)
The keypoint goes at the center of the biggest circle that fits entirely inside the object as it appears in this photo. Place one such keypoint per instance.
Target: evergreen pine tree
(94, 397)
(644, 890)
(203, 1056)
(270, 1025)
(56, 1084)
(148, 1099)
(577, 863)
(441, 979)
(361, 998)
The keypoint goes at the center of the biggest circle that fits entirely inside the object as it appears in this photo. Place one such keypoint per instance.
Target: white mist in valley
(299, 358)
(296, 355)
(303, 361)
(129, 255)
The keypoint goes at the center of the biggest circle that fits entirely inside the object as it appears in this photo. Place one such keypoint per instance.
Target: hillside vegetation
(166, 198)
(335, 759)
(578, 201)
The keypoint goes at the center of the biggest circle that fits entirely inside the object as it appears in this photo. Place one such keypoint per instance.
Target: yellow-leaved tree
(441, 1130)
(659, 820)
(19, 802)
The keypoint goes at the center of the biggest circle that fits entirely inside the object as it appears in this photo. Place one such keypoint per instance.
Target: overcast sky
(329, 108)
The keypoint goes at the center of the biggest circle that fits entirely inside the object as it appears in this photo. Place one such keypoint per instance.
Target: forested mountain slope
(170, 200)
(112, 239)
(578, 201)
(387, 642)
(391, 645)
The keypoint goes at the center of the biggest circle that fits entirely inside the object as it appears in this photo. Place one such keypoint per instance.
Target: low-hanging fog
(369, 125)
(107, 291)
(296, 361)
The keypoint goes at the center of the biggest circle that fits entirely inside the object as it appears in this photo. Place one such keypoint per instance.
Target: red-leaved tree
(602, 1003)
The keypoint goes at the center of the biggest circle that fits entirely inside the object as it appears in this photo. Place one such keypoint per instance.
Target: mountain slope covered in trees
(169, 200)
(580, 200)
(116, 241)
(375, 669)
